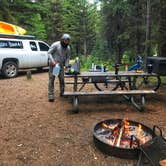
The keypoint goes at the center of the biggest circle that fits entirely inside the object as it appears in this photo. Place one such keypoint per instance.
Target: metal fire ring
(129, 153)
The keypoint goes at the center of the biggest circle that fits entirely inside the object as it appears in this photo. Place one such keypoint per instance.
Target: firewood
(163, 162)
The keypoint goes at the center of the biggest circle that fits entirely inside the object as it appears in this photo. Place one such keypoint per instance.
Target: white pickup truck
(20, 53)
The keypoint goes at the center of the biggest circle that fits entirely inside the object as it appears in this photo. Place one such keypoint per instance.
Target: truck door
(43, 47)
(33, 54)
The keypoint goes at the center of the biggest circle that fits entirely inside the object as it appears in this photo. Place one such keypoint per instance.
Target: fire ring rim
(127, 153)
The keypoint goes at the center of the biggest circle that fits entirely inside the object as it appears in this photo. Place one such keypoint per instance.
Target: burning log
(110, 126)
(120, 136)
(163, 162)
(118, 132)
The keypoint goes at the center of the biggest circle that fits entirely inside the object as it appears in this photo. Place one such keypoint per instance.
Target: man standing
(59, 53)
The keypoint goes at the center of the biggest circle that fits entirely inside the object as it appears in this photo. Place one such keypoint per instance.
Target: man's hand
(65, 68)
(53, 63)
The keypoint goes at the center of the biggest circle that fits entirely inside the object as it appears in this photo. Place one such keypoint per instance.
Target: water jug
(56, 70)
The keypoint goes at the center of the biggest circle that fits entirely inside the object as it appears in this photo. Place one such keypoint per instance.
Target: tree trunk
(85, 47)
(77, 49)
(119, 52)
(162, 30)
(138, 34)
(148, 30)
(119, 42)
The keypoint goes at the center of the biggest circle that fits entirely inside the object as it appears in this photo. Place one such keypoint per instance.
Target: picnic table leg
(75, 83)
(75, 98)
(75, 104)
(138, 106)
(128, 97)
(130, 85)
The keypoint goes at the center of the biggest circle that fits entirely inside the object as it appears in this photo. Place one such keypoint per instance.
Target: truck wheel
(10, 69)
(39, 69)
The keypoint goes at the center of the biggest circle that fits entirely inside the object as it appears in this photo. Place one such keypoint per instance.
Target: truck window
(33, 46)
(3, 44)
(11, 44)
(15, 44)
(43, 47)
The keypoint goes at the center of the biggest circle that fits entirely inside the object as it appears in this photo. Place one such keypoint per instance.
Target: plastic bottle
(102, 68)
(78, 65)
(56, 70)
(93, 66)
(150, 68)
(126, 67)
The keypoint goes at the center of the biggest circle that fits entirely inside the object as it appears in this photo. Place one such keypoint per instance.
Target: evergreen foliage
(97, 35)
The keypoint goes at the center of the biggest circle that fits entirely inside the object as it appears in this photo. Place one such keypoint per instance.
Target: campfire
(122, 137)
(123, 134)
(126, 139)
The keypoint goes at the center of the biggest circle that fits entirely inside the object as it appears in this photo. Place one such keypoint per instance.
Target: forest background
(100, 33)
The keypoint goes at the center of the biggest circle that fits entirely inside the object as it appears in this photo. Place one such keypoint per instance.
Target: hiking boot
(61, 94)
(51, 100)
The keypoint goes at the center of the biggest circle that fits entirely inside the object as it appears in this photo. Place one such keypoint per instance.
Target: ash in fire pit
(121, 137)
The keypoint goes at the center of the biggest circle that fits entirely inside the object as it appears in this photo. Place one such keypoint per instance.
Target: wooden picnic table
(123, 76)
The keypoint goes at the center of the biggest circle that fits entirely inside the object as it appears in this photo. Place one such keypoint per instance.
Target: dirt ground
(34, 132)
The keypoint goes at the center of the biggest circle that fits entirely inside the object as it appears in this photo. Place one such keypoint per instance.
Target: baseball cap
(66, 36)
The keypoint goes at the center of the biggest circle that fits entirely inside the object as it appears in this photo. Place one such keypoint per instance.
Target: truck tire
(10, 69)
(39, 69)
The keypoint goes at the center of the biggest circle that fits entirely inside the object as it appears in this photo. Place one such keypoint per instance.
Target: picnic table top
(111, 73)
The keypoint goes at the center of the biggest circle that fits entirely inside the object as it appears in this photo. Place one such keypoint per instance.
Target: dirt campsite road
(34, 132)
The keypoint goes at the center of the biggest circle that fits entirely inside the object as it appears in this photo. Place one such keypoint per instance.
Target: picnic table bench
(94, 77)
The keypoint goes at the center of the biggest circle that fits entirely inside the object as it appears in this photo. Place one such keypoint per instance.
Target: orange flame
(126, 127)
(139, 133)
(116, 132)
(143, 140)
(108, 126)
(104, 125)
